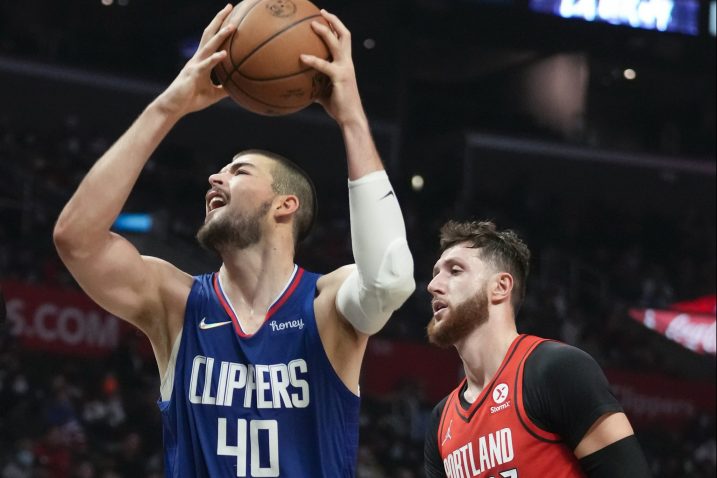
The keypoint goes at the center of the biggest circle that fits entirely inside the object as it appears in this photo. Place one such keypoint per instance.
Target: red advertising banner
(388, 364)
(61, 321)
(693, 331)
(655, 399)
(706, 304)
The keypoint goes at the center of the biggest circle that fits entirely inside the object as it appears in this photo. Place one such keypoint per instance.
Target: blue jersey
(263, 405)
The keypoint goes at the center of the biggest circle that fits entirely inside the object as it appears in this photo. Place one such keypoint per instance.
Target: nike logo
(204, 325)
(390, 193)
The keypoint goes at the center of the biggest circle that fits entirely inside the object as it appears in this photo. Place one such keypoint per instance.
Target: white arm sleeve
(383, 278)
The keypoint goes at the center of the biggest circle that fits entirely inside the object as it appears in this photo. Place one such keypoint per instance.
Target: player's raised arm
(383, 278)
(106, 265)
(344, 102)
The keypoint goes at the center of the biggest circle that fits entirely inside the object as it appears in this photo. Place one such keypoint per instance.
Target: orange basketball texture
(262, 71)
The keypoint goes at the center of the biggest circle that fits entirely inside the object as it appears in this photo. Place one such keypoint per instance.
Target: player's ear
(502, 287)
(285, 205)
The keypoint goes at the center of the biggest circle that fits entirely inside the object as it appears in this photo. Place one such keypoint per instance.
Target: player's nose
(435, 286)
(215, 179)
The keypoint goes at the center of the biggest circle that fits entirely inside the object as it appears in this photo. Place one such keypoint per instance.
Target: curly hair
(504, 250)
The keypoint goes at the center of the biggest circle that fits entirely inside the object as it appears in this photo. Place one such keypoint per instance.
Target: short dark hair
(505, 250)
(289, 178)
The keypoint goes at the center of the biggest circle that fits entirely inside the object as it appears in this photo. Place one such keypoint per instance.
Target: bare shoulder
(167, 270)
(163, 322)
(329, 283)
(172, 286)
(327, 287)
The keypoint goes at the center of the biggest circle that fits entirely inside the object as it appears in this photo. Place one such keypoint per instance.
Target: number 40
(240, 449)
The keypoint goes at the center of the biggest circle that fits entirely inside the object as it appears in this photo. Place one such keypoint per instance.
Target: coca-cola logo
(693, 331)
(693, 335)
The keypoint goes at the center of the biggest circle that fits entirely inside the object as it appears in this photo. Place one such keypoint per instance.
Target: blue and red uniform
(263, 405)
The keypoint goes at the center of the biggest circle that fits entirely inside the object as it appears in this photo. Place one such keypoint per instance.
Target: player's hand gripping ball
(262, 70)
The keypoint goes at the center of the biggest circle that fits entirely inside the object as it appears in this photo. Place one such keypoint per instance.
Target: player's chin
(436, 334)
(210, 214)
(437, 322)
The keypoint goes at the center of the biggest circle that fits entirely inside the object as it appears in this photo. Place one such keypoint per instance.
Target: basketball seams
(248, 11)
(231, 39)
(288, 108)
(264, 43)
(273, 88)
(224, 70)
(273, 78)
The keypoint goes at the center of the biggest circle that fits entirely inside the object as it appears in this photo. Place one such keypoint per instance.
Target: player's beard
(232, 232)
(463, 319)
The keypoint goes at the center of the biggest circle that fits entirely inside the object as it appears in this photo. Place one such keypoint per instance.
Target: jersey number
(271, 427)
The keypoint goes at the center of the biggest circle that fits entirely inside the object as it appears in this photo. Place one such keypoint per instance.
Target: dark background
(523, 118)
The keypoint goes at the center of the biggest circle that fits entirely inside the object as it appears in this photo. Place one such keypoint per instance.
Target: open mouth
(438, 306)
(215, 200)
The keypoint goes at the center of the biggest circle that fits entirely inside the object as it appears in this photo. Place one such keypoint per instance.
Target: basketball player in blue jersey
(260, 361)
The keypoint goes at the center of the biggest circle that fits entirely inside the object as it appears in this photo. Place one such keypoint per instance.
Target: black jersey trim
(519, 375)
(442, 421)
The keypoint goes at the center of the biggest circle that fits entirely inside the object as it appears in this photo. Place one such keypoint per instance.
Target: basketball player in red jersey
(528, 407)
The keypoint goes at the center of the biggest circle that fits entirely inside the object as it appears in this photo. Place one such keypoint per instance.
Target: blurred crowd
(80, 419)
(62, 417)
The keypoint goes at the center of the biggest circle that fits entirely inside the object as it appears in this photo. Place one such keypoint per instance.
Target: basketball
(262, 71)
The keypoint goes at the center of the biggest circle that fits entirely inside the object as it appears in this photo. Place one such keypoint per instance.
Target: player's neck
(253, 277)
(483, 351)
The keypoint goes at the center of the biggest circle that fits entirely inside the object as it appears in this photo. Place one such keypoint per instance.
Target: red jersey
(494, 438)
